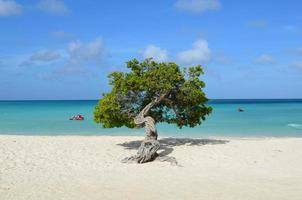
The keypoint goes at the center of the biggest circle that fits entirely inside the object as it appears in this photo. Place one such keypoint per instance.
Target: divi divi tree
(150, 92)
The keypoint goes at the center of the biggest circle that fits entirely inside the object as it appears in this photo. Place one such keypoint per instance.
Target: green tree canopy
(179, 94)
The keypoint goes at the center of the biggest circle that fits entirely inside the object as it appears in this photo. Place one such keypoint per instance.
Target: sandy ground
(89, 168)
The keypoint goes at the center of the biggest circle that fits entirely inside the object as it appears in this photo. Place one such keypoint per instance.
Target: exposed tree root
(148, 152)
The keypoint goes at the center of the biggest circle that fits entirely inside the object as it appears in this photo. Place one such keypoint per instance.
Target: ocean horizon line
(210, 99)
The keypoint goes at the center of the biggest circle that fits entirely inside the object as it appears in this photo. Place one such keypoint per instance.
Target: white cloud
(258, 24)
(62, 35)
(197, 6)
(41, 57)
(296, 64)
(299, 50)
(86, 52)
(71, 70)
(296, 51)
(198, 54)
(80, 56)
(45, 56)
(221, 58)
(9, 7)
(79, 59)
(1, 64)
(264, 59)
(53, 6)
(156, 53)
(76, 53)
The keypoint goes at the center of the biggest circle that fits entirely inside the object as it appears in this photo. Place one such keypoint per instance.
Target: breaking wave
(296, 126)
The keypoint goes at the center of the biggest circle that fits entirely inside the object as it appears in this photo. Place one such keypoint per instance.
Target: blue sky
(64, 49)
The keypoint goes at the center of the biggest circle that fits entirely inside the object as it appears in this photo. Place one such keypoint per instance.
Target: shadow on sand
(167, 144)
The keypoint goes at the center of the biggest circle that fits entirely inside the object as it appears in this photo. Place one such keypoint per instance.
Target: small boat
(240, 110)
(77, 117)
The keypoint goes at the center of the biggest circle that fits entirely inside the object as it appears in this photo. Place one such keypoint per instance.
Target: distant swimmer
(240, 110)
(77, 117)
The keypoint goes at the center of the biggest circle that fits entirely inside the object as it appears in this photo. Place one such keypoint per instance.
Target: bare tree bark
(148, 148)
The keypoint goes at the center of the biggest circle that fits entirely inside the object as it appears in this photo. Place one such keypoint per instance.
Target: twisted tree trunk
(148, 148)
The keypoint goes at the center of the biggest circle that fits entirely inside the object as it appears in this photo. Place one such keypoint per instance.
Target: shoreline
(81, 167)
(160, 136)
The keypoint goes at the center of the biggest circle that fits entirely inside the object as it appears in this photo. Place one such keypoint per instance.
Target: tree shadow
(167, 144)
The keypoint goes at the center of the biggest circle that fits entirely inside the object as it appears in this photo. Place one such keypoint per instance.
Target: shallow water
(261, 118)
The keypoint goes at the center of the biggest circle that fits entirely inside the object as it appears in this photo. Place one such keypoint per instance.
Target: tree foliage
(179, 94)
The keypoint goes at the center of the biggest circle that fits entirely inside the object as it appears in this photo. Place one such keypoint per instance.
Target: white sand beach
(89, 168)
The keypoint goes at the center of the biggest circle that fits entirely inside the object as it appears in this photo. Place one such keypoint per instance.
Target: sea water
(260, 118)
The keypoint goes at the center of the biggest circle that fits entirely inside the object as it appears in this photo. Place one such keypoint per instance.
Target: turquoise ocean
(261, 118)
